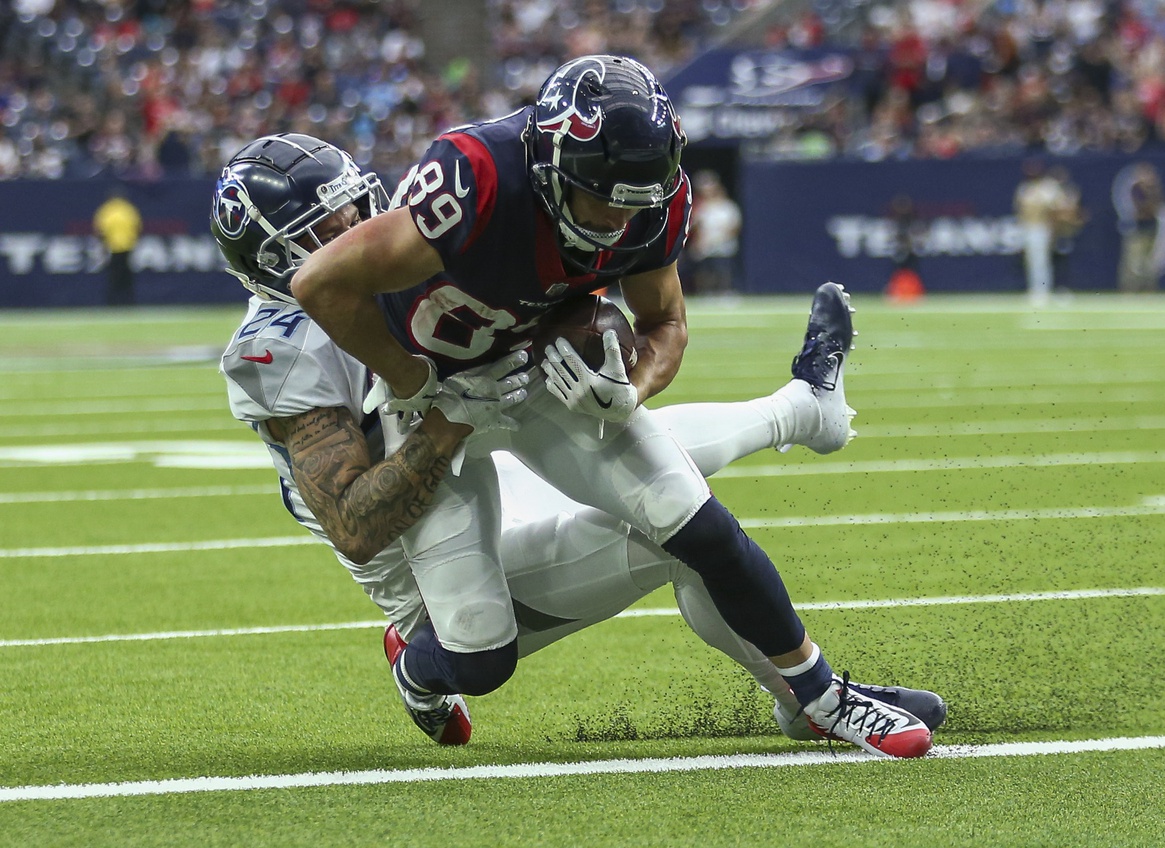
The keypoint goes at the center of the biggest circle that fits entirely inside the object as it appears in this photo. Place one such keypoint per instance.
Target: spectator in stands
(118, 223)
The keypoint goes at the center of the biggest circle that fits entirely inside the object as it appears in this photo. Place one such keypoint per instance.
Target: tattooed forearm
(395, 493)
(363, 507)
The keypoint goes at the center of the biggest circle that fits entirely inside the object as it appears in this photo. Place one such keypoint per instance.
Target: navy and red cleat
(845, 714)
(924, 705)
(443, 718)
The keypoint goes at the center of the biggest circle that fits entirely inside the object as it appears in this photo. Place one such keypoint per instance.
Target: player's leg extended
(802, 412)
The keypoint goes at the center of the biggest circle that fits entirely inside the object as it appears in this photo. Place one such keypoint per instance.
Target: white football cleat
(844, 714)
(926, 706)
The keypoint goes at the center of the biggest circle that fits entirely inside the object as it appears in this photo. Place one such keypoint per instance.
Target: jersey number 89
(444, 208)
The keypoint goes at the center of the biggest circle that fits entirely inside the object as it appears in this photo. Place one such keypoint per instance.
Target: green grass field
(1004, 501)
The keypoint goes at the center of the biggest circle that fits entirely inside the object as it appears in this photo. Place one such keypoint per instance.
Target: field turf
(180, 665)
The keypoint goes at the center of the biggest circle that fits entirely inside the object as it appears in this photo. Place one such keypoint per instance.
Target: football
(582, 321)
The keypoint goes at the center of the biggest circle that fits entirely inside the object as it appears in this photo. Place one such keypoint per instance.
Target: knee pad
(484, 671)
(436, 668)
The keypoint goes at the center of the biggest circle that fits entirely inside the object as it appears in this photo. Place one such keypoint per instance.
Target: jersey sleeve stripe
(678, 214)
(485, 180)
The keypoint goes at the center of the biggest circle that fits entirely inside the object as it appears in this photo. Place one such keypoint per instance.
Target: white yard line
(231, 451)
(645, 612)
(1154, 505)
(210, 421)
(1150, 506)
(946, 464)
(162, 547)
(998, 428)
(136, 494)
(38, 409)
(654, 765)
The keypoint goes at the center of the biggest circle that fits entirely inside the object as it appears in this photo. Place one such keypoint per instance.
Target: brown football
(582, 320)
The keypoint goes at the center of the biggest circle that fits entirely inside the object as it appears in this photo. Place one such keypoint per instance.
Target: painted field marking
(947, 464)
(1151, 505)
(136, 406)
(135, 494)
(785, 470)
(996, 427)
(1000, 428)
(161, 547)
(645, 612)
(651, 765)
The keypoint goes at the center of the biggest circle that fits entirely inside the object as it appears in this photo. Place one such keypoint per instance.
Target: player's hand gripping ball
(587, 359)
(582, 322)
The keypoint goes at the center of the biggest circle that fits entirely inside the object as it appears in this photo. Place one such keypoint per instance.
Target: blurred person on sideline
(905, 282)
(715, 237)
(119, 224)
(1038, 202)
(1070, 220)
(362, 487)
(1140, 204)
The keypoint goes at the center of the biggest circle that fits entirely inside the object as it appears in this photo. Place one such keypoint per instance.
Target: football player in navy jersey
(503, 220)
(279, 199)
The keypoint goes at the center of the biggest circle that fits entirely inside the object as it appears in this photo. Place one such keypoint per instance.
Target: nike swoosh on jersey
(600, 402)
(468, 395)
(265, 359)
(458, 187)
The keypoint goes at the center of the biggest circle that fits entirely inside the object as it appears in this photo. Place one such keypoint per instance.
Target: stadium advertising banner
(49, 255)
(728, 96)
(805, 222)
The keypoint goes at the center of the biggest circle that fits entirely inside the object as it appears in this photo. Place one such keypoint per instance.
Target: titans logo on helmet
(230, 206)
(561, 102)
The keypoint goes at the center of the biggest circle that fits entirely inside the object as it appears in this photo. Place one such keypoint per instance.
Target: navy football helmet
(604, 125)
(272, 195)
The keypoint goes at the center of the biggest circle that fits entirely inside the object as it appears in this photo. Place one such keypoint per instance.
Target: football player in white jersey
(362, 487)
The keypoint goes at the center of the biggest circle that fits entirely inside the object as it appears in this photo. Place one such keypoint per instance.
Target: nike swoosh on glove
(606, 394)
(402, 411)
(481, 396)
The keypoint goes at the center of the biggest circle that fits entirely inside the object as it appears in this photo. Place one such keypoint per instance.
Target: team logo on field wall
(560, 102)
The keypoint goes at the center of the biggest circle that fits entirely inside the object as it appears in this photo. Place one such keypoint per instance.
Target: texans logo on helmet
(561, 102)
(230, 207)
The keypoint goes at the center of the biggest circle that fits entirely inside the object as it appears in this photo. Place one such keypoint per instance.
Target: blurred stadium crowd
(144, 88)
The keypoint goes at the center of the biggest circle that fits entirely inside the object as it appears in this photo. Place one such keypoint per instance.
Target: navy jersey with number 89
(472, 199)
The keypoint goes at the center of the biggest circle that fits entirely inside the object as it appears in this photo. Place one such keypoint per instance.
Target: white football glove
(481, 396)
(606, 394)
(380, 397)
